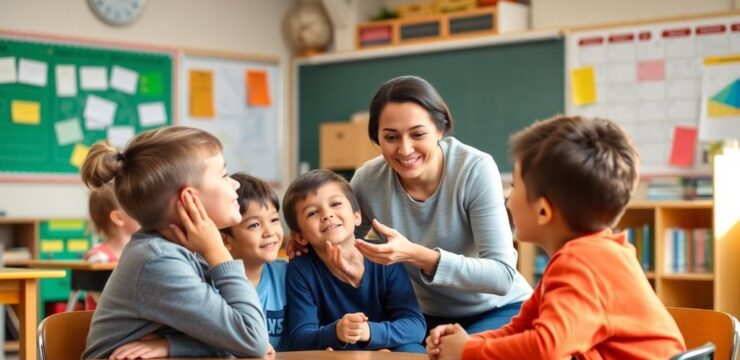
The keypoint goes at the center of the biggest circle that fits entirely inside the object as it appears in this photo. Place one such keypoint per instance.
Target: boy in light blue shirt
(256, 240)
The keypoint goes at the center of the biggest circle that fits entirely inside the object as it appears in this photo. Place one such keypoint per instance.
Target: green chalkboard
(34, 147)
(492, 91)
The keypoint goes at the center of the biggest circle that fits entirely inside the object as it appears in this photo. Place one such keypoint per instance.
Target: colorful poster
(720, 99)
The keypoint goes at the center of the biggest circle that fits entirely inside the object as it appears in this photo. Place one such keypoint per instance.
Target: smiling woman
(446, 197)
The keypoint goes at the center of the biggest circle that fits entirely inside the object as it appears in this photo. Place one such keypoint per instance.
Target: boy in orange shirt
(572, 180)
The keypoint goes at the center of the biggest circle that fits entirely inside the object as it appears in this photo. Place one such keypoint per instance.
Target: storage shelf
(689, 276)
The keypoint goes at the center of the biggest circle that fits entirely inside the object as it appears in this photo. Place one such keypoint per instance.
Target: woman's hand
(198, 233)
(397, 249)
(293, 248)
(148, 347)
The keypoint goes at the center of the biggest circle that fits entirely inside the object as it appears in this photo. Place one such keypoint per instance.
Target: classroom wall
(245, 26)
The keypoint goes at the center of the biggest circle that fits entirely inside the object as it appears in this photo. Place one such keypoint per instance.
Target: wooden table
(336, 355)
(20, 286)
(85, 276)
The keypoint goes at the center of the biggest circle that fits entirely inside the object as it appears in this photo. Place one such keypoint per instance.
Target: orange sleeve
(519, 323)
(570, 318)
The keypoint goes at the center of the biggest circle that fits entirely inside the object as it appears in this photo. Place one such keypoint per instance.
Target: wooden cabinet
(345, 145)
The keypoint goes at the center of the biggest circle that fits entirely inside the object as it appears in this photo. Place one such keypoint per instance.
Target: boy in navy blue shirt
(336, 298)
(256, 240)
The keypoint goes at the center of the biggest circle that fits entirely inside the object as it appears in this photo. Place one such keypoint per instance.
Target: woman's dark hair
(409, 89)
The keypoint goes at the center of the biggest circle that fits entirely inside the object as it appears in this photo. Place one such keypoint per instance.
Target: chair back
(62, 336)
(704, 352)
(700, 326)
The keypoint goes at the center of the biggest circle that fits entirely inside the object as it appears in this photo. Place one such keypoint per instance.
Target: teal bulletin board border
(31, 152)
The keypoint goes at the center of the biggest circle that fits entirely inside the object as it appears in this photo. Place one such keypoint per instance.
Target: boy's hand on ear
(199, 233)
(352, 328)
(349, 271)
(293, 248)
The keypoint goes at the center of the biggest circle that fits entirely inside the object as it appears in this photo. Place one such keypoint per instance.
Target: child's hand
(293, 248)
(352, 328)
(199, 233)
(349, 271)
(148, 347)
(446, 342)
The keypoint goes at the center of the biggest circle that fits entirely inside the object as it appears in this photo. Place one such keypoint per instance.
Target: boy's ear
(116, 217)
(299, 238)
(227, 240)
(358, 218)
(186, 190)
(544, 211)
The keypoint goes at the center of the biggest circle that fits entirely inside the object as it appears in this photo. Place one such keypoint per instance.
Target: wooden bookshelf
(718, 289)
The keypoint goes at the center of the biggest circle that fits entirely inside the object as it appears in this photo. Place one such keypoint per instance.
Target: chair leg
(72, 301)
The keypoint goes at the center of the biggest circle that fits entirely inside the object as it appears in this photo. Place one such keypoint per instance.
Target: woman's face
(408, 140)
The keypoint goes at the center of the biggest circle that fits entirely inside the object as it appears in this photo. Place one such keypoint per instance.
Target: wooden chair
(699, 326)
(704, 352)
(62, 336)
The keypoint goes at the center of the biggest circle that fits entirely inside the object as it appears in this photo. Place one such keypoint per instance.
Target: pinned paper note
(52, 245)
(201, 93)
(152, 114)
(32, 72)
(66, 225)
(7, 70)
(150, 84)
(684, 146)
(124, 80)
(25, 112)
(99, 113)
(79, 153)
(119, 136)
(66, 80)
(68, 131)
(93, 78)
(258, 93)
(78, 245)
(583, 85)
(652, 70)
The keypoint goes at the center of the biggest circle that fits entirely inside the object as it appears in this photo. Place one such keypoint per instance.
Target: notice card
(7, 70)
(93, 78)
(124, 80)
(25, 112)
(66, 80)
(258, 92)
(79, 153)
(150, 84)
(32, 72)
(99, 113)
(152, 114)
(201, 93)
(651, 70)
(68, 131)
(684, 145)
(119, 136)
(583, 85)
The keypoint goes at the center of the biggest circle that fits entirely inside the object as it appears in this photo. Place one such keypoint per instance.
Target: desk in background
(85, 276)
(20, 286)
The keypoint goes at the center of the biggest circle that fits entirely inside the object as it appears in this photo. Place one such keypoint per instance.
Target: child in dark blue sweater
(336, 298)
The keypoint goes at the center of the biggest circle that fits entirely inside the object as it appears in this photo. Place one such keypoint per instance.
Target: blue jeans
(489, 320)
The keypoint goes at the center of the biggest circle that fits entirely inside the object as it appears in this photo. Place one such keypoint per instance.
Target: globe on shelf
(308, 29)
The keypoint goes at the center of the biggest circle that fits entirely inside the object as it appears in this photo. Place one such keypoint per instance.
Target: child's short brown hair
(252, 189)
(587, 168)
(310, 182)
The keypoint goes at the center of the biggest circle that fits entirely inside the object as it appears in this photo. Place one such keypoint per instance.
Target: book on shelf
(641, 237)
(688, 250)
(680, 188)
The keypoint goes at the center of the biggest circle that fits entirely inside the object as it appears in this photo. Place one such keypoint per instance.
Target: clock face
(117, 12)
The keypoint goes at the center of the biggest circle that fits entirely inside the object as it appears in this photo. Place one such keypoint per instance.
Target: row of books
(642, 239)
(679, 188)
(688, 250)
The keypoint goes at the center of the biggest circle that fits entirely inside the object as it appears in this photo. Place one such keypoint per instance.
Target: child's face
(327, 216)
(257, 239)
(217, 191)
(523, 213)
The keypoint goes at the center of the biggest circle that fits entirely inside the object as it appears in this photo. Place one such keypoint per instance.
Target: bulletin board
(238, 99)
(648, 78)
(58, 97)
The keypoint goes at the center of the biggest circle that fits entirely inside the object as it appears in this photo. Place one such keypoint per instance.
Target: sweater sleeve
(406, 325)
(227, 317)
(304, 330)
(571, 318)
(519, 323)
(495, 268)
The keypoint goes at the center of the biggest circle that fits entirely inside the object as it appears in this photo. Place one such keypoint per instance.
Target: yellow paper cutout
(52, 245)
(79, 153)
(201, 93)
(67, 225)
(26, 112)
(258, 93)
(583, 83)
(716, 109)
(77, 245)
